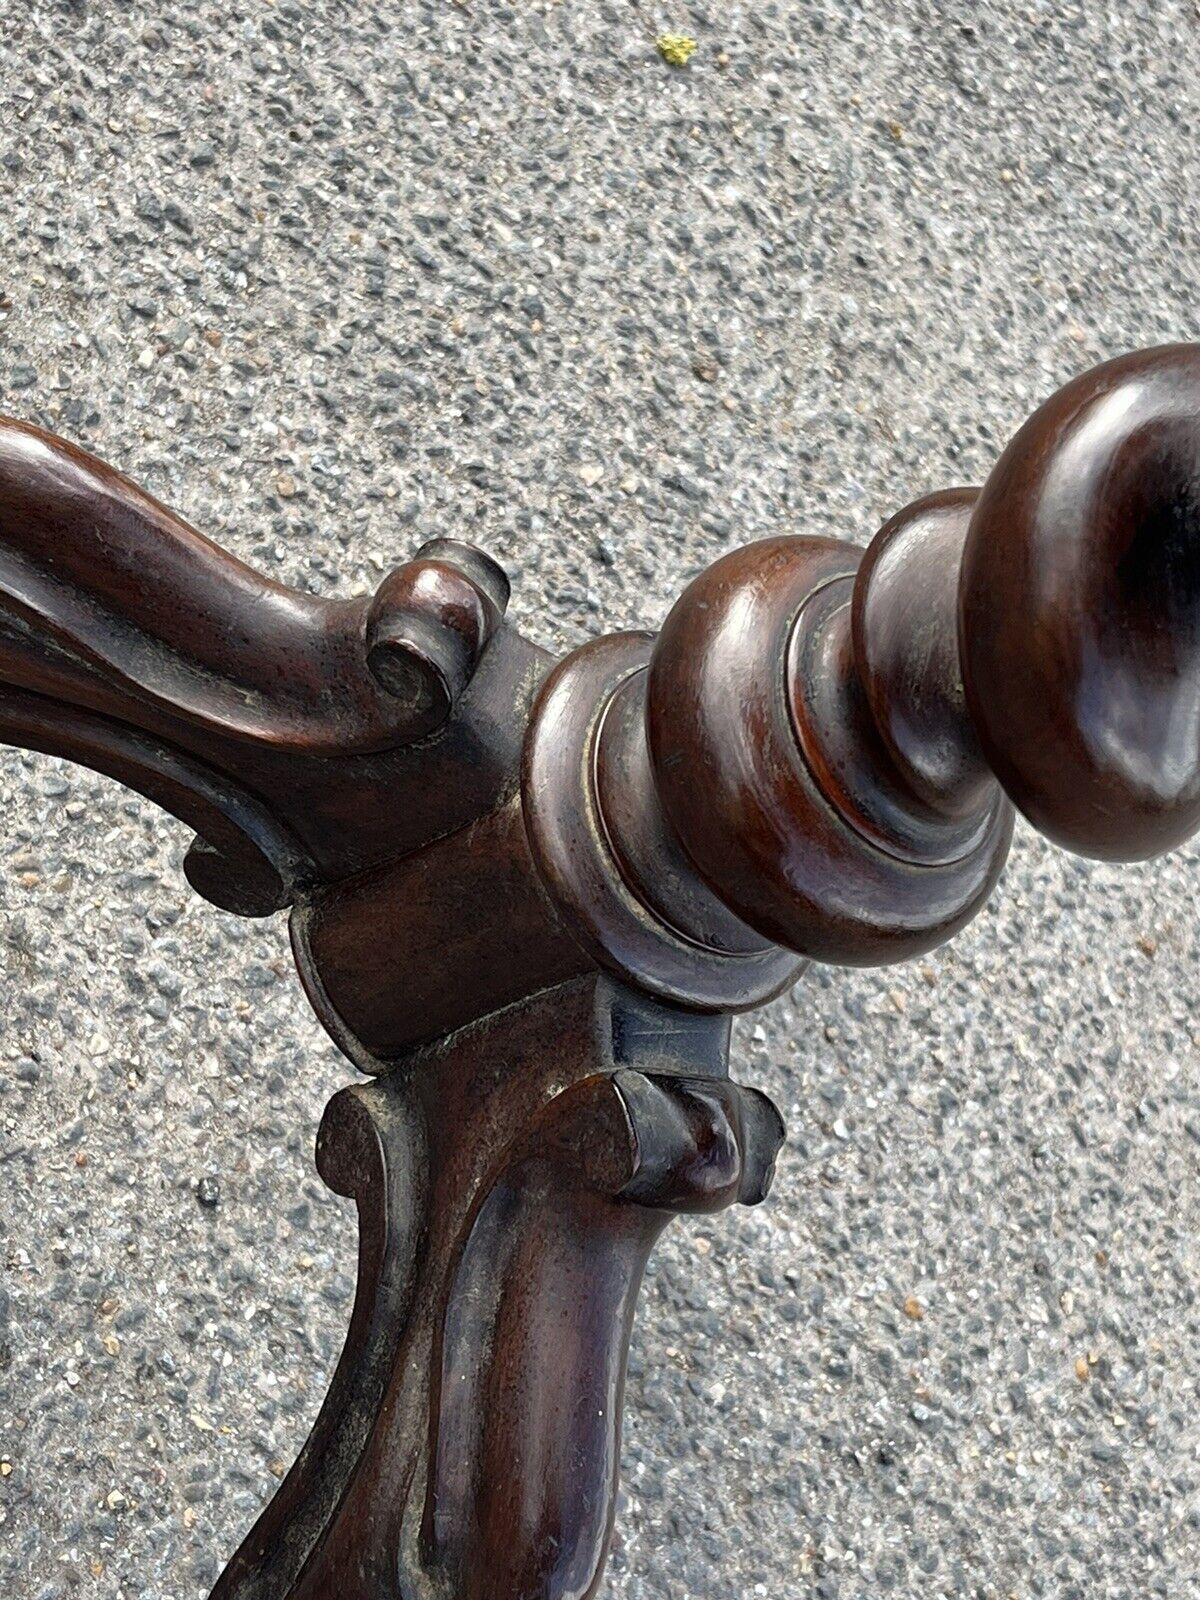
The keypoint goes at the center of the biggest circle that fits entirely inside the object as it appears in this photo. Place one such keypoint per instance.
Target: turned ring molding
(526, 897)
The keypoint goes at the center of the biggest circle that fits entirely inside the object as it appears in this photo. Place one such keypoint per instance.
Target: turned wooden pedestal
(527, 896)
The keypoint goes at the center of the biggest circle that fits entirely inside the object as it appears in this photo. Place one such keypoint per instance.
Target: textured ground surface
(332, 278)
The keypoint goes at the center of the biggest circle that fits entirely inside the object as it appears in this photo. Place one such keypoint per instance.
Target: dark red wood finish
(526, 897)
(469, 1443)
(1080, 609)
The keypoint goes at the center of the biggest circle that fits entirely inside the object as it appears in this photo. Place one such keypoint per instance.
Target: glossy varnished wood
(510, 1182)
(774, 776)
(1081, 609)
(111, 605)
(525, 896)
(482, 911)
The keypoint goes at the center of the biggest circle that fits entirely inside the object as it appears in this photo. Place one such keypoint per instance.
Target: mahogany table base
(505, 1217)
(526, 898)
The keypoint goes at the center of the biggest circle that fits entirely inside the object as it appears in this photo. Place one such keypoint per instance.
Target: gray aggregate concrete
(333, 278)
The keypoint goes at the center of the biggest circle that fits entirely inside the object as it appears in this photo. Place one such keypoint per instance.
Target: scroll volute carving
(469, 1445)
(278, 724)
(526, 898)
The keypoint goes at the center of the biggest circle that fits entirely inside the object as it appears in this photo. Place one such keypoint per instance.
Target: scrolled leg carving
(510, 1184)
(818, 758)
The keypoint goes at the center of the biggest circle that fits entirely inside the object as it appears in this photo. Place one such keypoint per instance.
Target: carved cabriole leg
(510, 1184)
(818, 758)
